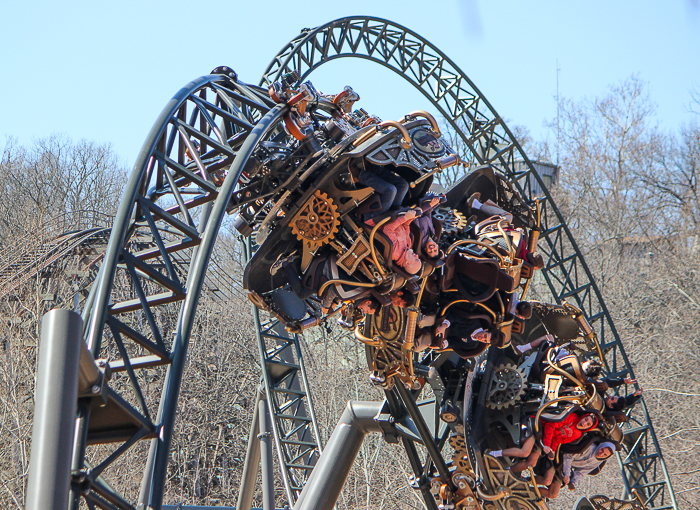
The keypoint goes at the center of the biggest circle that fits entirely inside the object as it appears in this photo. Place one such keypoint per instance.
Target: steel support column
(267, 447)
(252, 459)
(328, 478)
(48, 481)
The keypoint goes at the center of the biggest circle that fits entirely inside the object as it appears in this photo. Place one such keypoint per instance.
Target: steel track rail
(171, 199)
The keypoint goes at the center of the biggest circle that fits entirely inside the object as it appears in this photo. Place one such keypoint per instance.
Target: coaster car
(323, 247)
(314, 229)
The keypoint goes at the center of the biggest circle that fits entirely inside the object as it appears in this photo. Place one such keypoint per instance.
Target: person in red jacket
(566, 431)
(554, 434)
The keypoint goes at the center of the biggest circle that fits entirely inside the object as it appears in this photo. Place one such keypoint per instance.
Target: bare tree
(55, 177)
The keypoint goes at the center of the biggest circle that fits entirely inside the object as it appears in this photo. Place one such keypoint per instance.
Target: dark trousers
(390, 187)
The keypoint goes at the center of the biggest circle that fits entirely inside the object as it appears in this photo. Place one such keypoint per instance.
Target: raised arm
(401, 220)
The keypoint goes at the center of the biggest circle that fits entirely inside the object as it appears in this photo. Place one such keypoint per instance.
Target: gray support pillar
(267, 447)
(323, 488)
(252, 459)
(48, 481)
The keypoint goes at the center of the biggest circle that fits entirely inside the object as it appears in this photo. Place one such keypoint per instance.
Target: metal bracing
(294, 425)
(171, 198)
(489, 141)
(290, 406)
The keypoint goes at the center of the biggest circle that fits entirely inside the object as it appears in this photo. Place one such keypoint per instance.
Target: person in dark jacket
(425, 225)
(466, 336)
(617, 403)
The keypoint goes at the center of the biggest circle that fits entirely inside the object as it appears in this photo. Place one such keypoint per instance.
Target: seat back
(354, 255)
(491, 235)
(518, 326)
(570, 364)
(506, 327)
(372, 204)
(526, 270)
(477, 279)
(552, 383)
(616, 434)
(347, 292)
(596, 403)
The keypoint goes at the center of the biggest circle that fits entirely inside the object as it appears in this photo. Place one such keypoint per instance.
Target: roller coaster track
(38, 250)
(33, 255)
(172, 198)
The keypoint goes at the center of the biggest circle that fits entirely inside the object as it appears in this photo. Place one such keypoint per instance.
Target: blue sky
(104, 70)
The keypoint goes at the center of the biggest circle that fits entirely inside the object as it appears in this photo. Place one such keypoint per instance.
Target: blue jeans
(390, 187)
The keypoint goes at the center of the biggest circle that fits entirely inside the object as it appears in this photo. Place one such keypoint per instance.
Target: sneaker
(475, 196)
(377, 378)
(279, 263)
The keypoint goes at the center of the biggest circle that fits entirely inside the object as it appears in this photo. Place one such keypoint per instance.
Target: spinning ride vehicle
(346, 222)
(349, 224)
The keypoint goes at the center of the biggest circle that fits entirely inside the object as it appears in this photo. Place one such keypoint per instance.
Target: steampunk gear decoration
(508, 384)
(315, 224)
(452, 220)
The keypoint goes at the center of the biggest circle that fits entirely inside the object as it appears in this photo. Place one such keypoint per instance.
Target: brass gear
(317, 222)
(508, 384)
(452, 220)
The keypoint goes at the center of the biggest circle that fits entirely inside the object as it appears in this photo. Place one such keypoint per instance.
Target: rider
(400, 236)
(425, 225)
(575, 466)
(390, 187)
(554, 435)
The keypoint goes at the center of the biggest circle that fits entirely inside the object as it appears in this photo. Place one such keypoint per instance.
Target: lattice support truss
(295, 429)
(141, 309)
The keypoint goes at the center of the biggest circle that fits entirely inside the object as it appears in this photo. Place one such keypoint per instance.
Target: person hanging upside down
(576, 466)
(554, 435)
(425, 225)
(400, 236)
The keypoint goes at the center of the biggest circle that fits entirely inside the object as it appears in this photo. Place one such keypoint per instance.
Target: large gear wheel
(452, 220)
(317, 222)
(508, 384)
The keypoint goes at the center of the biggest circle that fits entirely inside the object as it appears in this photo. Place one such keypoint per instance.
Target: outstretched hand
(410, 214)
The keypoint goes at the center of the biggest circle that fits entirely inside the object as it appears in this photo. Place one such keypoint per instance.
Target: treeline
(629, 192)
(54, 177)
